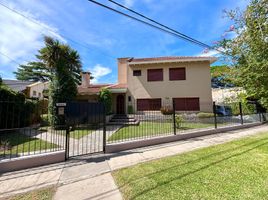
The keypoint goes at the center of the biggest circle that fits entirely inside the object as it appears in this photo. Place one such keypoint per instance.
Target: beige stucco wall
(197, 83)
(122, 70)
(38, 87)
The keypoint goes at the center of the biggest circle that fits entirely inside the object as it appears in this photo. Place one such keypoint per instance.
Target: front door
(120, 104)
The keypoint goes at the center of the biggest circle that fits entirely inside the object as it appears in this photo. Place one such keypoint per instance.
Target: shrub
(205, 115)
(130, 109)
(106, 98)
(16, 109)
(167, 110)
(45, 120)
(179, 120)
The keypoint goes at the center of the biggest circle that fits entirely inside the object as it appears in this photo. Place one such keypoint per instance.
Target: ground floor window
(187, 104)
(148, 104)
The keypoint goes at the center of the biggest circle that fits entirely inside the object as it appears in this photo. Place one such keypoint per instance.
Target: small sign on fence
(61, 104)
(61, 111)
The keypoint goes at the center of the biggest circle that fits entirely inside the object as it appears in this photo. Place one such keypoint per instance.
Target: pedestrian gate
(85, 128)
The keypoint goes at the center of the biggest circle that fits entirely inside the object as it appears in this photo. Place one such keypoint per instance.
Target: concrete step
(120, 116)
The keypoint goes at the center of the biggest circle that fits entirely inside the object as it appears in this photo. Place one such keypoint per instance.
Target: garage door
(148, 104)
(187, 104)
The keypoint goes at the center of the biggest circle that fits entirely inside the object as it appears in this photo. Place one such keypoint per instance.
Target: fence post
(174, 117)
(241, 113)
(67, 140)
(215, 114)
(104, 129)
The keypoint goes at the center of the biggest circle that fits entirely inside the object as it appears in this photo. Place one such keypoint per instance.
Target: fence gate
(85, 132)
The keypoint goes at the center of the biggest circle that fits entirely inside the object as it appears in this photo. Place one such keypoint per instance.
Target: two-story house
(150, 83)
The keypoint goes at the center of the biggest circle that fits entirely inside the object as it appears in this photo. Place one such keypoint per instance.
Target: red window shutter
(155, 104)
(180, 104)
(142, 104)
(193, 104)
(177, 74)
(187, 104)
(148, 104)
(155, 75)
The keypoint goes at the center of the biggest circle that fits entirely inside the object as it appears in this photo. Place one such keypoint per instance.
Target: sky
(101, 36)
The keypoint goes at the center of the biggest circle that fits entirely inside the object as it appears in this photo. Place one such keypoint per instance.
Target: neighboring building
(150, 83)
(221, 95)
(29, 88)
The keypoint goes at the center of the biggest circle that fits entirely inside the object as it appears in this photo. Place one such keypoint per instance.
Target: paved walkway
(90, 177)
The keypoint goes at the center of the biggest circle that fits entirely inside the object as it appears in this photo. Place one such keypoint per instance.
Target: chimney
(122, 69)
(85, 79)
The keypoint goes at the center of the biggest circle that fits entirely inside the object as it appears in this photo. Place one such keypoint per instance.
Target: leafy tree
(105, 96)
(34, 71)
(249, 48)
(223, 75)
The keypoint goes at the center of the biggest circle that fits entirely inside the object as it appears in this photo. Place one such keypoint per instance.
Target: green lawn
(235, 170)
(42, 194)
(21, 143)
(152, 128)
(79, 133)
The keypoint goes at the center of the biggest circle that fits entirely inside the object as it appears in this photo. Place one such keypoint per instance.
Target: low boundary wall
(112, 148)
(31, 161)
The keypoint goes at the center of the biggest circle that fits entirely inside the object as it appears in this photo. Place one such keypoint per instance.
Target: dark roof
(17, 85)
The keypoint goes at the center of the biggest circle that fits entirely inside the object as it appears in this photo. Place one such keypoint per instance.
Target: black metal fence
(28, 129)
(85, 133)
(168, 119)
(25, 129)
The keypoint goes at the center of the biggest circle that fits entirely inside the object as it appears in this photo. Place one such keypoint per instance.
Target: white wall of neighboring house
(219, 95)
(36, 89)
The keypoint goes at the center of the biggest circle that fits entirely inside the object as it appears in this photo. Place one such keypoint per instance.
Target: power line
(9, 58)
(187, 38)
(143, 22)
(49, 29)
(152, 20)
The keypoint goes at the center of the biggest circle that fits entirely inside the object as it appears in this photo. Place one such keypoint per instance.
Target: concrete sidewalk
(89, 177)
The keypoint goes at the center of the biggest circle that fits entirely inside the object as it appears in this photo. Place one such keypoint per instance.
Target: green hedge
(16, 111)
(205, 115)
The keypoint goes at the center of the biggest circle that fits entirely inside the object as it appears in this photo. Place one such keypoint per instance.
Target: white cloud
(20, 38)
(99, 71)
(210, 53)
(128, 3)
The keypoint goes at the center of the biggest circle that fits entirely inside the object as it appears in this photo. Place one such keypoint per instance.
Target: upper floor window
(136, 72)
(155, 74)
(177, 74)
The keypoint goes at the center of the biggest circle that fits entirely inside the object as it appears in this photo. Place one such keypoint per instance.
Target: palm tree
(59, 64)
(65, 67)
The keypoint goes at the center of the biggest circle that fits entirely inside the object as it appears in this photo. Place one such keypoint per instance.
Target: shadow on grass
(247, 145)
(14, 143)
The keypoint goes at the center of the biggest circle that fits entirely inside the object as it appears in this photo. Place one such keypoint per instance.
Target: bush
(106, 98)
(205, 115)
(17, 111)
(45, 120)
(130, 109)
(167, 110)
(179, 120)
